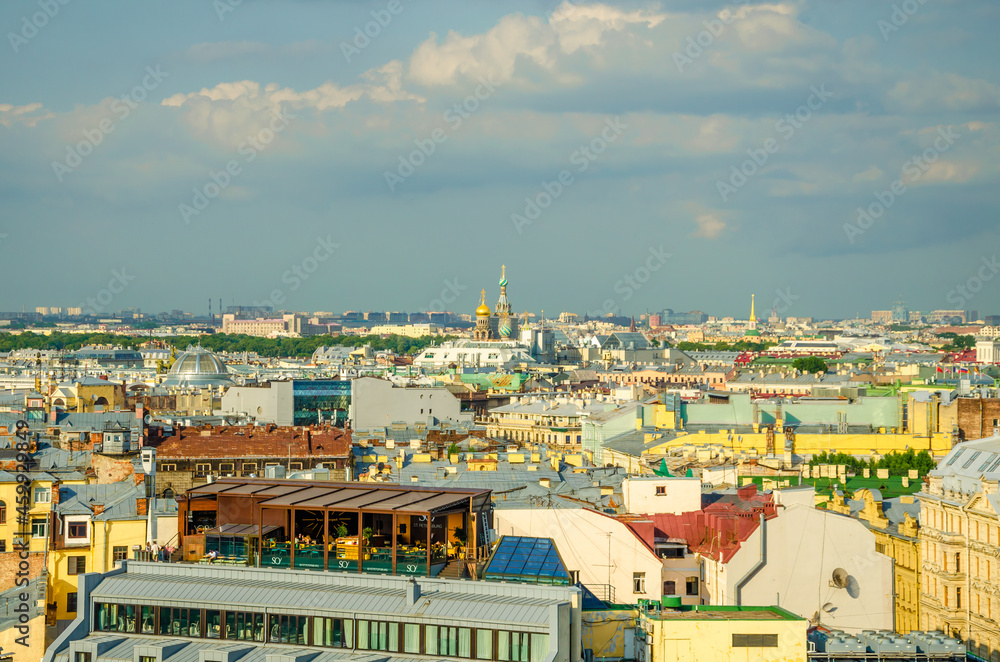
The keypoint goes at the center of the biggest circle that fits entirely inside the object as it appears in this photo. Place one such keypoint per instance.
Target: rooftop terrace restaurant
(346, 527)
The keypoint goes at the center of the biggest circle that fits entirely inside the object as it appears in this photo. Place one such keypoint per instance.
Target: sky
(828, 156)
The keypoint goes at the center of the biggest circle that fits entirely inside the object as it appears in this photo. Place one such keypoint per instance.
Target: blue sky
(118, 124)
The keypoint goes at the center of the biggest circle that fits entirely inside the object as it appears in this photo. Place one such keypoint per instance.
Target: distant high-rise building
(74, 311)
(693, 317)
(899, 312)
(882, 316)
(42, 310)
(915, 317)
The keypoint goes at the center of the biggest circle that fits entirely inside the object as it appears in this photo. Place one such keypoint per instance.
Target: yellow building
(960, 547)
(23, 638)
(723, 634)
(87, 394)
(77, 527)
(93, 527)
(895, 525)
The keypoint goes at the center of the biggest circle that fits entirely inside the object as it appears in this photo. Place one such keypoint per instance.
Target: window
(672, 553)
(670, 588)
(179, 622)
(227, 467)
(3, 512)
(958, 562)
(445, 641)
(43, 495)
(147, 658)
(286, 629)
(638, 582)
(168, 493)
(661, 490)
(755, 641)
(692, 586)
(880, 547)
(76, 530)
(333, 632)
(202, 469)
(168, 467)
(484, 644)
(513, 646)
(71, 602)
(245, 626)
(81, 656)
(378, 636)
(248, 468)
(39, 527)
(77, 565)
(213, 624)
(119, 552)
(411, 636)
(958, 597)
(115, 618)
(296, 466)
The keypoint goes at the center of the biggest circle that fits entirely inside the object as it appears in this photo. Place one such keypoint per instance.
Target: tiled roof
(256, 442)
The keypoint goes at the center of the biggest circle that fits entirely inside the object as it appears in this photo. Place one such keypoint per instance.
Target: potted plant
(461, 536)
(341, 531)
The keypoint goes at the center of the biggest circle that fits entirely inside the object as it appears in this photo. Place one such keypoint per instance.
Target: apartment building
(960, 547)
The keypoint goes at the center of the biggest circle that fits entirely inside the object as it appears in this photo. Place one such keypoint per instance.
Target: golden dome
(483, 310)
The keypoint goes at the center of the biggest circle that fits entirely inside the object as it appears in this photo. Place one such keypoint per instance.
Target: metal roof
(344, 496)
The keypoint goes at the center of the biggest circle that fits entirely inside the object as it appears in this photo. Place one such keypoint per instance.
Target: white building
(379, 403)
(500, 354)
(650, 495)
(988, 351)
(606, 552)
(790, 561)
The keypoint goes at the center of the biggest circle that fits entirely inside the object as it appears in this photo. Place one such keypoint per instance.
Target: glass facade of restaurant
(384, 634)
(313, 399)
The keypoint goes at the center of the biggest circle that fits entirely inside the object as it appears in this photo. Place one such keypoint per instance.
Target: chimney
(412, 592)
(52, 416)
(98, 508)
(141, 506)
(140, 479)
(56, 486)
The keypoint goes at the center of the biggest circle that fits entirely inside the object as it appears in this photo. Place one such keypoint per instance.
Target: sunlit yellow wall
(604, 632)
(710, 640)
(104, 537)
(809, 444)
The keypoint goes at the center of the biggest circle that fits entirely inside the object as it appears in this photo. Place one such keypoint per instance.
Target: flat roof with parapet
(724, 613)
(343, 496)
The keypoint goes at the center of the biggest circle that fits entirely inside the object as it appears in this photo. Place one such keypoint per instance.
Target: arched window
(168, 493)
(3, 512)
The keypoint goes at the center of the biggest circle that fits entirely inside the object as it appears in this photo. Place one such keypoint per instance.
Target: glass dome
(198, 367)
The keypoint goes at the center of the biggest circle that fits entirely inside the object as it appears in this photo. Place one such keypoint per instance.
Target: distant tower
(631, 326)
(753, 312)
(503, 305)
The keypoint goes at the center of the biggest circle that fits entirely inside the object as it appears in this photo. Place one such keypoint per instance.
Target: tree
(809, 364)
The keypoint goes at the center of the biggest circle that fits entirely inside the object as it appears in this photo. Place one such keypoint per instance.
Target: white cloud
(710, 226)
(938, 91)
(229, 112)
(516, 39)
(872, 174)
(28, 115)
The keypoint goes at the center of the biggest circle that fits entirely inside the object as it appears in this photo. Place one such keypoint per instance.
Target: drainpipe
(761, 562)
(968, 580)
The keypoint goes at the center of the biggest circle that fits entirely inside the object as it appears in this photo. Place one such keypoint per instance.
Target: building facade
(960, 547)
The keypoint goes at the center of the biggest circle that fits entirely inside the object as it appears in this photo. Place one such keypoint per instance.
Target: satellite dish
(829, 607)
(381, 466)
(840, 578)
(147, 419)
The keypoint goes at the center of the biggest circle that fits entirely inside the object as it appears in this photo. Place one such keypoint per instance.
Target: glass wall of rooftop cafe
(426, 538)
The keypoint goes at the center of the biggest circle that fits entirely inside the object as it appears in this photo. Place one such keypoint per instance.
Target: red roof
(247, 442)
(717, 530)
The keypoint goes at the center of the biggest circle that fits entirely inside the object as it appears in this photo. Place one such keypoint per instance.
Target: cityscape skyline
(817, 146)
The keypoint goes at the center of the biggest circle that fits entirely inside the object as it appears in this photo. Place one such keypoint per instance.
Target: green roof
(889, 487)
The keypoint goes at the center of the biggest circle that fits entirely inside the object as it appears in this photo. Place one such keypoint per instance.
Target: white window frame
(39, 492)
